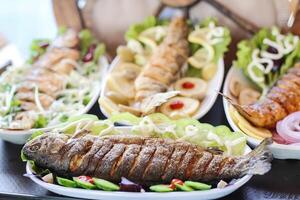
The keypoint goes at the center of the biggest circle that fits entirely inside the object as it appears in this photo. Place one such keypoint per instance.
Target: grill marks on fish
(98, 157)
(141, 162)
(227, 167)
(77, 153)
(156, 166)
(174, 161)
(141, 159)
(181, 169)
(108, 161)
(201, 165)
(127, 160)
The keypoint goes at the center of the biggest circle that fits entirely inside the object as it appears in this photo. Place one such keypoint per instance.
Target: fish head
(44, 145)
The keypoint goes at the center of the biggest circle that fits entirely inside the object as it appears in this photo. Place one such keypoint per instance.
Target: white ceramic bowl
(279, 151)
(21, 136)
(214, 86)
(104, 195)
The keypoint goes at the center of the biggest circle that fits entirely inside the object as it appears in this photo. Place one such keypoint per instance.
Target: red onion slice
(289, 128)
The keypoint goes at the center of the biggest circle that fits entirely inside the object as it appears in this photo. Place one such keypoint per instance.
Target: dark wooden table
(282, 182)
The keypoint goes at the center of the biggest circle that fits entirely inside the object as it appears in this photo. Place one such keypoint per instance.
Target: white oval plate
(104, 195)
(279, 151)
(21, 136)
(214, 86)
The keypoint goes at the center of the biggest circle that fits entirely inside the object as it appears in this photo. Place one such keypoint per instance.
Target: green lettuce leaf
(135, 29)
(37, 48)
(290, 60)
(244, 57)
(125, 117)
(222, 47)
(40, 122)
(86, 40)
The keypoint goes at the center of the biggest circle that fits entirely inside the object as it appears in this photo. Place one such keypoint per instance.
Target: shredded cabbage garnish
(267, 56)
(190, 130)
(80, 86)
(158, 125)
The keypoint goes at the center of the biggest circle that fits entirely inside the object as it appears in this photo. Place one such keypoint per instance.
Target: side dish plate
(20, 137)
(214, 86)
(279, 151)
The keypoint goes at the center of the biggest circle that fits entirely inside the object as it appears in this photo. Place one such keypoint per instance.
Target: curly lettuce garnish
(208, 43)
(267, 56)
(135, 29)
(191, 130)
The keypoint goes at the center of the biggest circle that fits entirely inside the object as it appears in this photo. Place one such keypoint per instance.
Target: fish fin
(153, 101)
(258, 161)
(235, 105)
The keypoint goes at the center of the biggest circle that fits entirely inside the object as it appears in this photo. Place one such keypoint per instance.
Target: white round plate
(279, 151)
(214, 86)
(21, 136)
(104, 195)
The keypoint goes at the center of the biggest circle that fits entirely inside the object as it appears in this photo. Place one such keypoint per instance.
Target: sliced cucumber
(160, 188)
(66, 182)
(183, 187)
(105, 185)
(84, 184)
(197, 185)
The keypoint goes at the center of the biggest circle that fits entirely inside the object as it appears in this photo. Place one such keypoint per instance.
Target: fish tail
(258, 162)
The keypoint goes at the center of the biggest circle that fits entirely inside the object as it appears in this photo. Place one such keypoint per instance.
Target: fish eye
(35, 147)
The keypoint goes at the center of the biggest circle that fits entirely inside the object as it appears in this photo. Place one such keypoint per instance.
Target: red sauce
(188, 85)
(176, 105)
(175, 181)
(86, 179)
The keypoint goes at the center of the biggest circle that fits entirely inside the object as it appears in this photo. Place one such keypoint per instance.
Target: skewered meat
(282, 99)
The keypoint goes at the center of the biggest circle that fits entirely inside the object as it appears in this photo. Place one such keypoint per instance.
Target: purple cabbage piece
(129, 186)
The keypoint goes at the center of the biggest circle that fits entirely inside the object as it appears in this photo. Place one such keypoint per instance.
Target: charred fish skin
(141, 159)
(166, 62)
(281, 100)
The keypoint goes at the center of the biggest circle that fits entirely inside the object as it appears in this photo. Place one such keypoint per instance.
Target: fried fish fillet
(144, 160)
(166, 61)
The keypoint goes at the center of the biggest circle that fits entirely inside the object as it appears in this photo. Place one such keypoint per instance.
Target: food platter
(94, 194)
(280, 151)
(21, 136)
(178, 75)
(214, 86)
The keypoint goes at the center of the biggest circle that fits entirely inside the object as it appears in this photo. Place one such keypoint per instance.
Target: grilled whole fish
(282, 99)
(166, 62)
(141, 159)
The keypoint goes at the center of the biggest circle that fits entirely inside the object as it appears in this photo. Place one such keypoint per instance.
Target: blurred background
(21, 21)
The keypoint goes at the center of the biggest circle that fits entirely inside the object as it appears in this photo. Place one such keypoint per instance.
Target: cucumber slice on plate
(66, 182)
(84, 184)
(105, 185)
